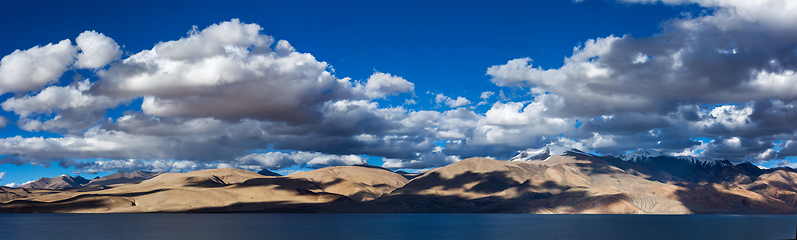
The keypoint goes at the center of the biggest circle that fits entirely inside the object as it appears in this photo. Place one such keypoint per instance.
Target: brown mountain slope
(779, 184)
(123, 177)
(60, 182)
(576, 183)
(360, 183)
(8, 193)
(485, 185)
(570, 183)
(215, 190)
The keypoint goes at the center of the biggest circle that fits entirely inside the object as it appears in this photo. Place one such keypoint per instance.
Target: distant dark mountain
(266, 172)
(123, 177)
(659, 166)
(688, 169)
(60, 182)
(66, 181)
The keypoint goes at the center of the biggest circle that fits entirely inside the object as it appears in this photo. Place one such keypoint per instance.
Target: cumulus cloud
(770, 13)
(738, 149)
(278, 160)
(380, 85)
(3, 122)
(74, 108)
(450, 102)
(132, 165)
(32, 69)
(217, 40)
(424, 160)
(727, 75)
(254, 162)
(213, 97)
(59, 98)
(96, 50)
(606, 75)
(2, 174)
(486, 95)
(95, 143)
(12, 185)
(224, 90)
(227, 71)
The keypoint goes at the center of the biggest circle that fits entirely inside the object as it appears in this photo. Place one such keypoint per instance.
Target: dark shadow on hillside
(305, 185)
(409, 176)
(528, 202)
(597, 164)
(280, 183)
(699, 178)
(84, 201)
(486, 183)
(526, 197)
(371, 166)
(211, 182)
(678, 171)
(708, 199)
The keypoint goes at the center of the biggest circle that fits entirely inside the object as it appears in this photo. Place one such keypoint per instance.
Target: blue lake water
(394, 226)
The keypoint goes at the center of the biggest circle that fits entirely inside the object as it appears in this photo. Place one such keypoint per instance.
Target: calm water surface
(393, 226)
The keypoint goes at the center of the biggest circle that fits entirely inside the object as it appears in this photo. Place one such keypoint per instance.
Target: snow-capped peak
(643, 154)
(640, 154)
(542, 153)
(706, 161)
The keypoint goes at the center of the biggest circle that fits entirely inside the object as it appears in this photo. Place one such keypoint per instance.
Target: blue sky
(391, 83)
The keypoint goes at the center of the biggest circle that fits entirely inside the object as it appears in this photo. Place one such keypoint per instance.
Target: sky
(96, 87)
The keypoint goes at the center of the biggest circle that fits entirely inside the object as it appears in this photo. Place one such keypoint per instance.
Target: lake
(394, 226)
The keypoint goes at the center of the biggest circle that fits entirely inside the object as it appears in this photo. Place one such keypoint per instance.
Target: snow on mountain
(644, 154)
(542, 153)
(705, 161)
(639, 154)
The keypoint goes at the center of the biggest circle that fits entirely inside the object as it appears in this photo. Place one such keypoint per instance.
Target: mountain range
(66, 181)
(548, 180)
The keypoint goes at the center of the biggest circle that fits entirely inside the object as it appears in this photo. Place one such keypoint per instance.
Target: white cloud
(3, 122)
(696, 78)
(225, 38)
(132, 165)
(284, 48)
(97, 50)
(738, 149)
(727, 117)
(1, 175)
(277, 160)
(770, 13)
(32, 69)
(486, 95)
(95, 143)
(624, 74)
(450, 102)
(424, 160)
(59, 98)
(380, 85)
(226, 71)
(214, 96)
